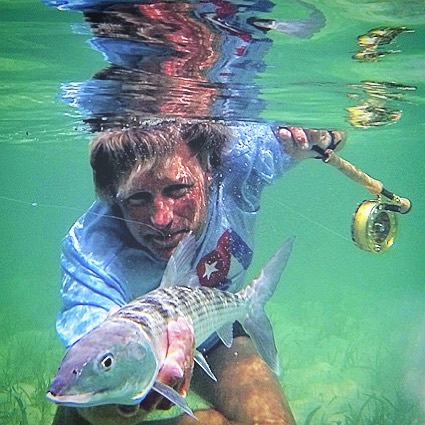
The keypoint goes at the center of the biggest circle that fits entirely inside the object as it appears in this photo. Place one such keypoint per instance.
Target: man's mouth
(168, 240)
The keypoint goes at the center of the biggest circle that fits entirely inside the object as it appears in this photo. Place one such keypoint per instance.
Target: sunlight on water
(349, 324)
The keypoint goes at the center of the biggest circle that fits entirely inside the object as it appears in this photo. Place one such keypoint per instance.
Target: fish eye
(107, 361)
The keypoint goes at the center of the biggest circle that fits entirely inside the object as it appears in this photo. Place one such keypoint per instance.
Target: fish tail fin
(257, 324)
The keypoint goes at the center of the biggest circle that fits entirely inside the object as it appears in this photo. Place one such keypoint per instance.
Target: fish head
(114, 363)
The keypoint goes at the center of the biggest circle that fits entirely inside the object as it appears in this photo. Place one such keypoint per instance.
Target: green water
(349, 324)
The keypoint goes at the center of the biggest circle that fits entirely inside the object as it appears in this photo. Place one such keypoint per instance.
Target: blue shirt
(103, 267)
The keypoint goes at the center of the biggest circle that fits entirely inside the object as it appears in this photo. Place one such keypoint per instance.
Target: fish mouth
(84, 399)
(71, 400)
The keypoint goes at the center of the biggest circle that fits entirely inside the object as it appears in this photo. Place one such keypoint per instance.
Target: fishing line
(312, 221)
(83, 211)
(38, 204)
(69, 208)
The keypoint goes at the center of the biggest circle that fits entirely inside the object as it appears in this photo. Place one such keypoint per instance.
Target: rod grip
(374, 186)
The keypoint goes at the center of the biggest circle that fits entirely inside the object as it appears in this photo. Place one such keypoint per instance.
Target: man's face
(164, 202)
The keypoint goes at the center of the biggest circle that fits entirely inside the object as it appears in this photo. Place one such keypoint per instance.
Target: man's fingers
(176, 369)
(295, 136)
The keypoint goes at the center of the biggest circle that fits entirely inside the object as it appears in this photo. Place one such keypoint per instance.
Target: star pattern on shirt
(213, 268)
(210, 269)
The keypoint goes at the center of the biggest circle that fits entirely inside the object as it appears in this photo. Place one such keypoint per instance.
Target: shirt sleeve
(255, 159)
(88, 290)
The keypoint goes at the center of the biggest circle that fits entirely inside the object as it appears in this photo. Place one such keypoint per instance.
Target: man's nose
(162, 214)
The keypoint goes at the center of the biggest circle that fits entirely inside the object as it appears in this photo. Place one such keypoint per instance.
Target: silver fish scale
(208, 309)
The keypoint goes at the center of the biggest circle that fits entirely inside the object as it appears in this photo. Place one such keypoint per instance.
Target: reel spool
(374, 228)
(375, 223)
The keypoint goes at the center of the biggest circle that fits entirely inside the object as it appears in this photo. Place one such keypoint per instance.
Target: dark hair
(114, 154)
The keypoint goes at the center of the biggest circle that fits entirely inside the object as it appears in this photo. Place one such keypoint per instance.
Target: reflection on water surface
(176, 59)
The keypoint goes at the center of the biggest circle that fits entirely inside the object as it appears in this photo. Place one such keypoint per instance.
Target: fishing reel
(375, 222)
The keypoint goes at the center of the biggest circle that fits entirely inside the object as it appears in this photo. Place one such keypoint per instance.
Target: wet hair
(114, 154)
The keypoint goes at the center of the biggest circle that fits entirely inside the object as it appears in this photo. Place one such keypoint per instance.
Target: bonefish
(118, 362)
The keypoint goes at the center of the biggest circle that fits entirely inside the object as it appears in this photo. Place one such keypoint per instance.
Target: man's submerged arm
(88, 291)
(87, 300)
(299, 142)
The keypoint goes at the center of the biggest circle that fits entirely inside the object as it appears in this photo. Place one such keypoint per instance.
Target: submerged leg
(246, 392)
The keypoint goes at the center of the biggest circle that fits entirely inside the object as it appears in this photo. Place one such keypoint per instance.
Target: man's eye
(177, 190)
(139, 198)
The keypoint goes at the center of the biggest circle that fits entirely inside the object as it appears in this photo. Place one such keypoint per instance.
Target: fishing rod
(375, 221)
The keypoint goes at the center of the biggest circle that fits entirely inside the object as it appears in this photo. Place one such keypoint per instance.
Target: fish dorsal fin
(225, 333)
(200, 359)
(173, 396)
(179, 270)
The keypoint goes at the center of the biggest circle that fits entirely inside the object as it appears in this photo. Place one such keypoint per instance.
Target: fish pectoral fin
(173, 396)
(200, 359)
(225, 333)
